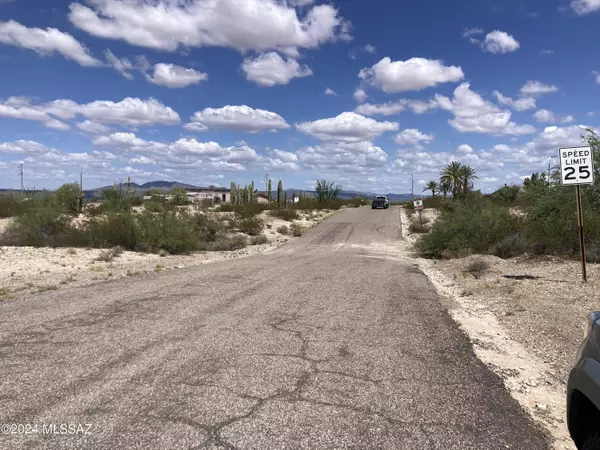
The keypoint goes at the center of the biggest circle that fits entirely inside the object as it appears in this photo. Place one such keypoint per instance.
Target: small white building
(216, 195)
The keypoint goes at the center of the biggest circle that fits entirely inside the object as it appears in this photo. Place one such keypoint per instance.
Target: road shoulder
(529, 379)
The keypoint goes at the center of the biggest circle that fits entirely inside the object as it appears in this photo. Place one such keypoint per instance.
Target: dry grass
(109, 255)
(477, 268)
(259, 240)
(297, 229)
(48, 287)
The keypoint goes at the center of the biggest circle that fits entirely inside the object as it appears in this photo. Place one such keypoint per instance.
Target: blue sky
(364, 93)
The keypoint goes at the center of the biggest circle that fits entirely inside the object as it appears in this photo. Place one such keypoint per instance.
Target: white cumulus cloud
(270, 69)
(414, 74)
(46, 42)
(129, 111)
(173, 76)
(259, 25)
(519, 104)
(583, 7)
(537, 88)
(473, 114)
(412, 136)
(360, 95)
(239, 118)
(500, 42)
(347, 127)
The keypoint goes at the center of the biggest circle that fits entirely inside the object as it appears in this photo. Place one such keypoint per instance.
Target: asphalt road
(328, 342)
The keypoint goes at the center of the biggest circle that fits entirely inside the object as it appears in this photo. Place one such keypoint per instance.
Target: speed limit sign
(576, 166)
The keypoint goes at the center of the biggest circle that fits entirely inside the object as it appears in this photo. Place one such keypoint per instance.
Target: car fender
(585, 378)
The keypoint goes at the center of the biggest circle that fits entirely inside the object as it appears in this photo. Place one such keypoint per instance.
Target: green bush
(225, 207)
(179, 197)
(472, 226)
(551, 223)
(168, 230)
(113, 229)
(509, 247)
(11, 205)
(116, 200)
(67, 197)
(250, 225)
(285, 214)
(37, 227)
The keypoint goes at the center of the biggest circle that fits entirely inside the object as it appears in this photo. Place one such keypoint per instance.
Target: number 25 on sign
(577, 168)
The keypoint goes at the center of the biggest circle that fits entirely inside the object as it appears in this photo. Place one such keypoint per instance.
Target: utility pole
(21, 173)
(80, 192)
(548, 175)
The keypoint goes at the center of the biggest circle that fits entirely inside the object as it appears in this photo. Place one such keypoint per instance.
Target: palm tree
(444, 187)
(467, 177)
(433, 187)
(452, 176)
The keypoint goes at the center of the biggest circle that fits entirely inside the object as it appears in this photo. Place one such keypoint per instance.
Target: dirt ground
(27, 270)
(527, 330)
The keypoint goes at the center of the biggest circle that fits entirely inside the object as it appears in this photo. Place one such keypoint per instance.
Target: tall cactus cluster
(242, 196)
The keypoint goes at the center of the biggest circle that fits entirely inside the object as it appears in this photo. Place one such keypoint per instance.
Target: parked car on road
(381, 201)
(583, 389)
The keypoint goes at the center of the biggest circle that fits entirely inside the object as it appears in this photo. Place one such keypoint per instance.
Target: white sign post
(419, 207)
(577, 168)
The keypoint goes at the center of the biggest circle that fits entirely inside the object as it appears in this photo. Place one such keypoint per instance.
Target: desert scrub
(227, 243)
(110, 254)
(249, 225)
(259, 240)
(417, 225)
(283, 229)
(477, 268)
(471, 227)
(285, 214)
(296, 229)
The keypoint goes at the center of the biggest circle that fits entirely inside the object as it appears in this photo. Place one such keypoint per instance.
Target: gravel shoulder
(28, 270)
(528, 331)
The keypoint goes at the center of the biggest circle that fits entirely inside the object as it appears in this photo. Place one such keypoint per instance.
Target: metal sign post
(577, 168)
(581, 236)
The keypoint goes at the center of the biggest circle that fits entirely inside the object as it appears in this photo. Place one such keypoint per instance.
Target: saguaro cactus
(285, 199)
(233, 193)
(279, 193)
(251, 199)
(269, 190)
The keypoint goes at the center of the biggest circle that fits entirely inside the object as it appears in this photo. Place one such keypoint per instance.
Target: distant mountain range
(151, 185)
(168, 185)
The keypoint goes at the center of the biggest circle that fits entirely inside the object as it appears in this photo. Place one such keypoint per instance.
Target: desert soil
(27, 270)
(529, 330)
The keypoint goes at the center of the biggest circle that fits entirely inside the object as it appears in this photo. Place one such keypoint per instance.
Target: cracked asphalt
(332, 341)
